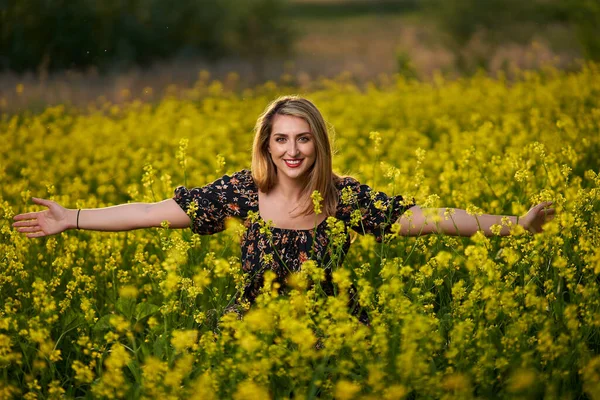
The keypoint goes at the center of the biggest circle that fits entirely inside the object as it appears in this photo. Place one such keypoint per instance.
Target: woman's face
(292, 146)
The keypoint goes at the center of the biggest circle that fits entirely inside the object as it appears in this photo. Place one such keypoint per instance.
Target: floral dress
(284, 250)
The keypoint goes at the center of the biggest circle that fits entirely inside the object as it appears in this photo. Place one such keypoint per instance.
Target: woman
(293, 186)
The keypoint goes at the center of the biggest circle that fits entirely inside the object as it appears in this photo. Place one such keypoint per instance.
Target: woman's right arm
(123, 217)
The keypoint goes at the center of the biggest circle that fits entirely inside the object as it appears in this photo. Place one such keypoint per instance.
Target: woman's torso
(285, 250)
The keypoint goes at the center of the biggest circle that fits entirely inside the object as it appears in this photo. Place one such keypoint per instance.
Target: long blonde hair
(320, 176)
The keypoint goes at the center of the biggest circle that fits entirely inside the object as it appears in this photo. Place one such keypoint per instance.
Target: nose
(292, 148)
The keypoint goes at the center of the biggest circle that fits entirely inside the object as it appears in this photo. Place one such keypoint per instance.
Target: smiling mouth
(293, 163)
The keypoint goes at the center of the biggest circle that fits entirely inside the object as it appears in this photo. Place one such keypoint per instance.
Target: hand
(537, 216)
(43, 223)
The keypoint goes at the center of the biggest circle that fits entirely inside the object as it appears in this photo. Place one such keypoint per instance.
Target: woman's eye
(280, 140)
(303, 139)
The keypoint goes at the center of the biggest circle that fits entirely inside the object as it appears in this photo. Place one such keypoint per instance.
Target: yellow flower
(128, 291)
(203, 388)
(118, 358)
(317, 201)
(220, 163)
(249, 390)
(184, 339)
(348, 196)
(192, 208)
(312, 270)
(376, 138)
(221, 268)
(457, 383)
(119, 323)
(342, 278)
(346, 390)
(521, 379)
(83, 372)
(395, 392)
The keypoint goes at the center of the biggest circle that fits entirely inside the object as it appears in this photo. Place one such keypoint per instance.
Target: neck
(290, 189)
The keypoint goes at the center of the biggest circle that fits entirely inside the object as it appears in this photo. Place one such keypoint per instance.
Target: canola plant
(143, 314)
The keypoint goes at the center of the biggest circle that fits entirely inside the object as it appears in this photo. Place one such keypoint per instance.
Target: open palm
(537, 216)
(42, 223)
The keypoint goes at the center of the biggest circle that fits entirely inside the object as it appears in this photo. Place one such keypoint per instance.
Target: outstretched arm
(458, 222)
(123, 217)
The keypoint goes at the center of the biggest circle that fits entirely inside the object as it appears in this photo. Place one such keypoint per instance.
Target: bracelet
(78, 211)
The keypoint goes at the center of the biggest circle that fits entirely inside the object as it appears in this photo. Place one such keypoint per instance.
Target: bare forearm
(452, 221)
(123, 217)
(459, 223)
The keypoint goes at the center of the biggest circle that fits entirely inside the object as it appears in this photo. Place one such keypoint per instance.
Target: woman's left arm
(422, 221)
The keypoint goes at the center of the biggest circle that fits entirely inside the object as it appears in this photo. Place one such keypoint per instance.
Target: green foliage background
(514, 20)
(76, 34)
(81, 33)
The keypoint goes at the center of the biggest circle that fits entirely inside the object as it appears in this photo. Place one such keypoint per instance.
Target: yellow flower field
(141, 314)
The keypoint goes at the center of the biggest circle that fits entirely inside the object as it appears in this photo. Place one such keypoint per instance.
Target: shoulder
(237, 181)
(238, 178)
(342, 182)
(242, 177)
(241, 186)
(222, 187)
(348, 191)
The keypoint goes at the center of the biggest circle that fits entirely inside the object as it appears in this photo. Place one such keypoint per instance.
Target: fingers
(543, 205)
(35, 228)
(547, 211)
(29, 222)
(543, 209)
(30, 215)
(34, 214)
(35, 235)
(42, 202)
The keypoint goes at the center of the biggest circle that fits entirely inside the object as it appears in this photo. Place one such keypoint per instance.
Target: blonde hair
(320, 176)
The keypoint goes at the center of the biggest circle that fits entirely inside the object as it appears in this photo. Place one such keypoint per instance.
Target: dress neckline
(319, 226)
(255, 192)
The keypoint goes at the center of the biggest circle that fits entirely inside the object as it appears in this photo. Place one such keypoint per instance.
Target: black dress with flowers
(284, 250)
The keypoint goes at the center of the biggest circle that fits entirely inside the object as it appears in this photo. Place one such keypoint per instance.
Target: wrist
(72, 219)
(522, 221)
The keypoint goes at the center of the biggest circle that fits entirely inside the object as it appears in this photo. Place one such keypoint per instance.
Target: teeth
(295, 162)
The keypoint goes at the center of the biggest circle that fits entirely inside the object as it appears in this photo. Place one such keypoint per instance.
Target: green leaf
(160, 347)
(134, 367)
(71, 320)
(126, 306)
(143, 310)
(103, 323)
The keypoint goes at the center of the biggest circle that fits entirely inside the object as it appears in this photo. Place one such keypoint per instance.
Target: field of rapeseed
(141, 314)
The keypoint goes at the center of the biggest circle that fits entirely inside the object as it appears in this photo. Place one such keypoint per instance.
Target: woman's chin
(292, 173)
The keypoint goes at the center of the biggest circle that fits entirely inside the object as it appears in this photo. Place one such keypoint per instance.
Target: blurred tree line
(501, 21)
(76, 34)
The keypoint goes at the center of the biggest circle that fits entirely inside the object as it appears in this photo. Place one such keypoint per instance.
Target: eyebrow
(285, 134)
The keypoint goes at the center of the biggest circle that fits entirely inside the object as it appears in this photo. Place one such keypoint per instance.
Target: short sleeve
(228, 196)
(368, 211)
